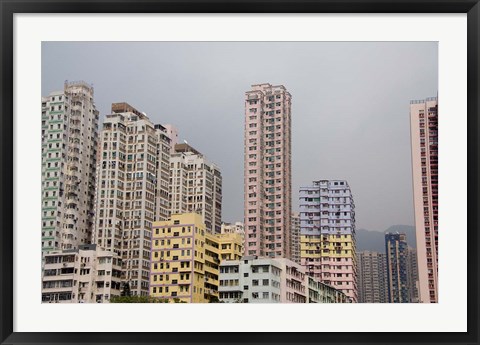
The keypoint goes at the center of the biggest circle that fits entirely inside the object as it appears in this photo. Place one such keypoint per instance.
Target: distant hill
(375, 240)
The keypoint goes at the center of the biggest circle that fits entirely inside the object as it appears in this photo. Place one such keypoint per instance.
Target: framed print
(241, 172)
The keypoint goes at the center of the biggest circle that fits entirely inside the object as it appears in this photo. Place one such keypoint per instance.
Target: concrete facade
(372, 277)
(132, 190)
(186, 257)
(84, 275)
(412, 269)
(295, 250)
(424, 137)
(322, 293)
(396, 250)
(196, 186)
(69, 152)
(272, 280)
(237, 228)
(267, 171)
(327, 234)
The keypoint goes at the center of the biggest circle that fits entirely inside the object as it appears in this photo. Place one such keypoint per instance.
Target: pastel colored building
(69, 152)
(186, 257)
(196, 186)
(424, 138)
(327, 235)
(132, 190)
(372, 277)
(237, 228)
(272, 280)
(230, 246)
(396, 249)
(267, 171)
(322, 293)
(86, 274)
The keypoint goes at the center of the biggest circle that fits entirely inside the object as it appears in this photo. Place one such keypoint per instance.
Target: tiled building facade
(69, 152)
(424, 137)
(131, 190)
(196, 186)
(372, 277)
(82, 275)
(327, 234)
(267, 171)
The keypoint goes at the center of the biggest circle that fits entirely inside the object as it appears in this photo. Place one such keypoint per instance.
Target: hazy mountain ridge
(375, 240)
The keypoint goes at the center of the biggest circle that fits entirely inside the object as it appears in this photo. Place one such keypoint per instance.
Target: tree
(214, 299)
(126, 290)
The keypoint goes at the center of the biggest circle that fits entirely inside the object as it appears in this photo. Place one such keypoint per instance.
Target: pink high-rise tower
(424, 136)
(268, 189)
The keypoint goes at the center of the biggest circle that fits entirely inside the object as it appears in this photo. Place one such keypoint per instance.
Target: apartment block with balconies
(424, 139)
(132, 189)
(84, 275)
(327, 234)
(267, 171)
(69, 152)
(186, 258)
(196, 186)
(272, 280)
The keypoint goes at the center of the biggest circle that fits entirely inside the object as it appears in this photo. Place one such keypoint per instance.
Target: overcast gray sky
(350, 106)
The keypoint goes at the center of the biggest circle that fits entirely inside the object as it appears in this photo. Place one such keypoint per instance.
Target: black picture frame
(10, 7)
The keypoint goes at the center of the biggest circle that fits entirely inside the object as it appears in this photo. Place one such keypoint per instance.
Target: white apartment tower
(132, 190)
(69, 150)
(196, 186)
(267, 171)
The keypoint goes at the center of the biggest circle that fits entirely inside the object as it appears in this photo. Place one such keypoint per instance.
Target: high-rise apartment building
(196, 186)
(372, 277)
(396, 250)
(132, 190)
(186, 257)
(85, 274)
(327, 234)
(412, 270)
(267, 171)
(424, 136)
(69, 150)
(295, 238)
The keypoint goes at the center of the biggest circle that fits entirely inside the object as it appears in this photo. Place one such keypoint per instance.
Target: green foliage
(215, 299)
(138, 299)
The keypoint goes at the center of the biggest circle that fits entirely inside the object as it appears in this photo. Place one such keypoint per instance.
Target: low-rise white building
(272, 280)
(250, 280)
(84, 275)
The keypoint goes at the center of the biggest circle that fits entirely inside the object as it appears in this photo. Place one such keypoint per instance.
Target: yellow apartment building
(230, 245)
(185, 259)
